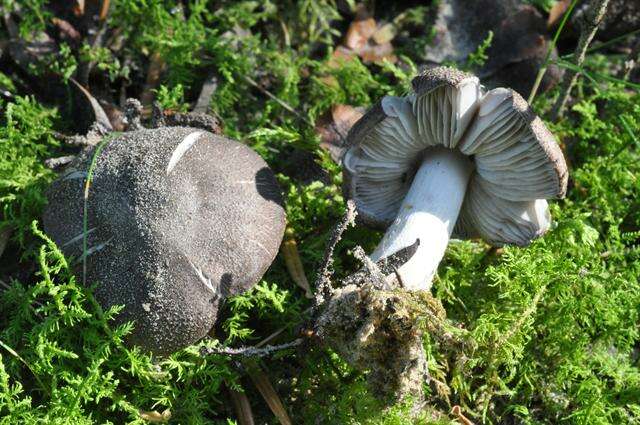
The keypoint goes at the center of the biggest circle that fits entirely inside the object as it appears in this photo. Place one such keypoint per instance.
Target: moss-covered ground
(545, 334)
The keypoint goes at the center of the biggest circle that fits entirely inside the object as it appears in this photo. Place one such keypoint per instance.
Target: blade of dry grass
(291, 255)
(262, 383)
(242, 407)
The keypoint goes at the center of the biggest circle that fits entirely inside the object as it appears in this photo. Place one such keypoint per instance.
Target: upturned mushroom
(450, 156)
(178, 219)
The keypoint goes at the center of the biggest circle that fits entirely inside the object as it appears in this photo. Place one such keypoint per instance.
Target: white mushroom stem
(428, 212)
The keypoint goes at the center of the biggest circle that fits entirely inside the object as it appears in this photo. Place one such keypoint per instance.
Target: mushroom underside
(453, 158)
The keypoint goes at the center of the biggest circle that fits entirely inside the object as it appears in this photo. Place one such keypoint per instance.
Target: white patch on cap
(203, 278)
(182, 148)
(94, 249)
(77, 238)
(146, 307)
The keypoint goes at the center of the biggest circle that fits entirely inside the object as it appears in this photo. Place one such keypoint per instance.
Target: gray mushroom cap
(517, 161)
(178, 218)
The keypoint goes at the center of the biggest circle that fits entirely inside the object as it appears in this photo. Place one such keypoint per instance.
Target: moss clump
(381, 331)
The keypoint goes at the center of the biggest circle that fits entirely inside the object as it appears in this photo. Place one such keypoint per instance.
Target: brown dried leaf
(242, 407)
(333, 127)
(339, 55)
(114, 114)
(359, 33)
(99, 115)
(156, 68)
(519, 44)
(457, 411)
(263, 385)
(365, 38)
(104, 9)
(376, 53)
(291, 254)
(78, 8)
(556, 12)
(206, 93)
(156, 417)
(66, 29)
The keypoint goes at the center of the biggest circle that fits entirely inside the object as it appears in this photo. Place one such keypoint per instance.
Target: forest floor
(549, 333)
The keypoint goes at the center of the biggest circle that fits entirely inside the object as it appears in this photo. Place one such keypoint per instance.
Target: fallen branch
(250, 351)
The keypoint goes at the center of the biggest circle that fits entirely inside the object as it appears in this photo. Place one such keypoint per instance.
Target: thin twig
(251, 351)
(58, 162)
(593, 17)
(547, 58)
(605, 44)
(323, 282)
(280, 102)
(280, 330)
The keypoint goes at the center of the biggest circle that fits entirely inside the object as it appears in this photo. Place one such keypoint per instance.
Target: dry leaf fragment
(66, 29)
(289, 250)
(156, 68)
(367, 39)
(333, 127)
(242, 407)
(209, 87)
(557, 11)
(376, 53)
(359, 33)
(457, 411)
(78, 8)
(99, 115)
(104, 9)
(263, 384)
(384, 34)
(155, 417)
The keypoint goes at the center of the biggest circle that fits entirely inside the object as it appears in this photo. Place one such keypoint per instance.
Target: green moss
(544, 334)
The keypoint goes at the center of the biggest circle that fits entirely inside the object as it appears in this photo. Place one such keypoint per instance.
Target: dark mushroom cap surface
(178, 218)
(517, 162)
